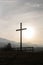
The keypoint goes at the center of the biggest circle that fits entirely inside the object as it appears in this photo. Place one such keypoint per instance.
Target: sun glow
(29, 33)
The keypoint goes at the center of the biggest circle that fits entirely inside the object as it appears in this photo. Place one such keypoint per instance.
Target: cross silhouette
(21, 35)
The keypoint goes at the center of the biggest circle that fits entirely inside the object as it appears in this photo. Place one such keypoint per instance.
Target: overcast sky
(29, 12)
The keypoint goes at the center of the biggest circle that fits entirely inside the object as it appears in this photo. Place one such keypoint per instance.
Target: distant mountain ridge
(4, 42)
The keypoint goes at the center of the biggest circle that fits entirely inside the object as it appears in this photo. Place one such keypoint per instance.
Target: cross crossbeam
(21, 34)
(21, 29)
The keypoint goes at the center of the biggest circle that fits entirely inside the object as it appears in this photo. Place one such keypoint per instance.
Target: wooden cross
(21, 35)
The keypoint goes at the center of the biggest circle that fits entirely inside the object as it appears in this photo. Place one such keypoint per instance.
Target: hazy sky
(29, 12)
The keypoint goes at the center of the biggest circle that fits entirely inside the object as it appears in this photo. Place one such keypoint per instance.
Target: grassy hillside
(13, 57)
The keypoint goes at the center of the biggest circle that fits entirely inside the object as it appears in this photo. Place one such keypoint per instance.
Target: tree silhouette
(9, 46)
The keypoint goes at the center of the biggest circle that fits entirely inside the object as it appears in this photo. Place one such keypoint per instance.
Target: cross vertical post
(21, 35)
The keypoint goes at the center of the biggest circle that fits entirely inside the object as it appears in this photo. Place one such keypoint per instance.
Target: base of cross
(20, 48)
